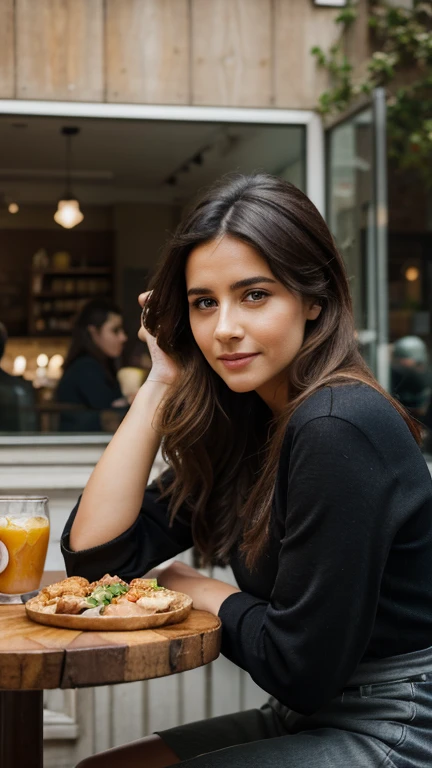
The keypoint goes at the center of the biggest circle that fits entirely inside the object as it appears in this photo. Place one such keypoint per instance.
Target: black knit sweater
(348, 570)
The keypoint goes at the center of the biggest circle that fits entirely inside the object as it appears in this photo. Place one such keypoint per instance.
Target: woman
(289, 462)
(89, 372)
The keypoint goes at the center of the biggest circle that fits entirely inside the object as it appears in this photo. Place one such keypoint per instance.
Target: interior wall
(410, 203)
(42, 217)
(141, 232)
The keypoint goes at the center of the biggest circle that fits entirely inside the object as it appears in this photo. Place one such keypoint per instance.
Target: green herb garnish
(103, 595)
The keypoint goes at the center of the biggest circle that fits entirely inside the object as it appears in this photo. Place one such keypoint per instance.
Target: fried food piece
(74, 585)
(143, 583)
(134, 594)
(70, 604)
(105, 581)
(140, 588)
(157, 602)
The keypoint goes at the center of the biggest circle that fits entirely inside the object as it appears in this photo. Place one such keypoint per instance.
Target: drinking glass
(24, 536)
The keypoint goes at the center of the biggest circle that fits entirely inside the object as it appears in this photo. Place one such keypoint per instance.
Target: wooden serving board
(108, 623)
(34, 656)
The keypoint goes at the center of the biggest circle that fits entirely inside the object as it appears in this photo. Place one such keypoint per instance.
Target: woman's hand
(207, 594)
(163, 369)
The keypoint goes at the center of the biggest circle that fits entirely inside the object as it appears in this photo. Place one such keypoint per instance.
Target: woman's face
(110, 337)
(248, 326)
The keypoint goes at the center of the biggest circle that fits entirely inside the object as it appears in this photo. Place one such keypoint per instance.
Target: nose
(228, 326)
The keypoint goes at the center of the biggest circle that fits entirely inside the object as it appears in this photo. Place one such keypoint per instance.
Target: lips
(238, 355)
(239, 360)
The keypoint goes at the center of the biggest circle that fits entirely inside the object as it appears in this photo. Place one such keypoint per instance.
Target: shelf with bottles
(57, 295)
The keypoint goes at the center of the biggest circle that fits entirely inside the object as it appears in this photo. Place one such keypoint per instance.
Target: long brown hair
(94, 312)
(224, 446)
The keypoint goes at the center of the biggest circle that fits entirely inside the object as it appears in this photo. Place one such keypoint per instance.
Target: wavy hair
(223, 446)
(94, 312)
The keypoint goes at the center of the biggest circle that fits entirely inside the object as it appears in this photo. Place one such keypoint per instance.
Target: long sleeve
(304, 643)
(147, 543)
(92, 386)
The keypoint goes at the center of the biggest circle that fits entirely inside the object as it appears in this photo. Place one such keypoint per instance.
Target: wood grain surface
(147, 51)
(232, 53)
(242, 53)
(35, 657)
(299, 26)
(7, 49)
(59, 49)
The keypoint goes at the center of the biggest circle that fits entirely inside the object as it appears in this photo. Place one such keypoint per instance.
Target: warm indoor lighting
(412, 274)
(13, 207)
(42, 360)
(68, 213)
(55, 364)
(19, 365)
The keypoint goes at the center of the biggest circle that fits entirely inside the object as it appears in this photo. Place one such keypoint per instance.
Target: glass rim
(24, 498)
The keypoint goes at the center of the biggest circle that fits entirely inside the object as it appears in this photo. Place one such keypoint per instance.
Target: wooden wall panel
(357, 39)
(298, 27)
(7, 53)
(60, 49)
(147, 51)
(232, 53)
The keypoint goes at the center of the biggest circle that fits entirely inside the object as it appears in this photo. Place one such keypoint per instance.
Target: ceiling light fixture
(412, 274)
(13, 207)
(68, 212)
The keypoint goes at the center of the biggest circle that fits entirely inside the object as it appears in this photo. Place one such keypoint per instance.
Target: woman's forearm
(113, 495)
(207, 594)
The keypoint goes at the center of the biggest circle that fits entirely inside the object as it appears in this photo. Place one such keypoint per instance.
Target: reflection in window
(131, 200)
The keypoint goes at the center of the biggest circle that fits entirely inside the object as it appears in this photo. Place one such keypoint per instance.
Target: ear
(313, 311)
(93, 331)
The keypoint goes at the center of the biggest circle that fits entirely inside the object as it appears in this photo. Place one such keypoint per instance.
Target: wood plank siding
(252, 53)
(59, 49)
(232, 53)
(147, 49)
(299, 27)
(7, 50)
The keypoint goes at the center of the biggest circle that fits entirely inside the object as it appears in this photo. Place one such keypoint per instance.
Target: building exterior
(242, 62)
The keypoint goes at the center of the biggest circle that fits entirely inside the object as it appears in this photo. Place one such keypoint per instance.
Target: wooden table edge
(175, 648)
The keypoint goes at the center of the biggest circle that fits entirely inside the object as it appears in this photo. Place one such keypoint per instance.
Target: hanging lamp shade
(68, 213)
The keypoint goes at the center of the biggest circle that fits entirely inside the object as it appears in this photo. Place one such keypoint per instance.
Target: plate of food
(108, 604)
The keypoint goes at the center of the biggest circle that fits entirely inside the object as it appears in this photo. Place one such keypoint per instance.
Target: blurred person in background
(89, 378)
(17, 407)
(410, 375)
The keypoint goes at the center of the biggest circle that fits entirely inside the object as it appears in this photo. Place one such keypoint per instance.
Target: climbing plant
(402, 63)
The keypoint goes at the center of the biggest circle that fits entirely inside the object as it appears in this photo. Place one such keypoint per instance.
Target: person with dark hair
(17, 405)
(410, 378)
(289, 462)
(89, 378)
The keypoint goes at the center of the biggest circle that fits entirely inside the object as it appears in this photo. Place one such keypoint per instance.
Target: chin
(240, 386)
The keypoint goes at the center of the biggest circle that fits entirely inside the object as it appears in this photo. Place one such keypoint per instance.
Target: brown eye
(203, 303)
(257, 295)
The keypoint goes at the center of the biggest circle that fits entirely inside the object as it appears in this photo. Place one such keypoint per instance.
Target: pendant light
(68, 212)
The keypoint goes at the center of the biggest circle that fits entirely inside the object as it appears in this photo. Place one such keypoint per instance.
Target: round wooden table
(34, 657)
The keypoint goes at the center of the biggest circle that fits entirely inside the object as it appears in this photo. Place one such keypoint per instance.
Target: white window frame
(314, 144)
(315, 185)
(331, 3)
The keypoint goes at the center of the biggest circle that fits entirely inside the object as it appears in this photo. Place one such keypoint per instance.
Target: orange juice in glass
(24, 535)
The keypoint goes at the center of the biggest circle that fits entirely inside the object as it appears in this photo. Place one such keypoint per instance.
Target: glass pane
(352, 218)
(133, 179)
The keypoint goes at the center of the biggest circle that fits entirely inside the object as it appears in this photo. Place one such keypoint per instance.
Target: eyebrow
(234, 286)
